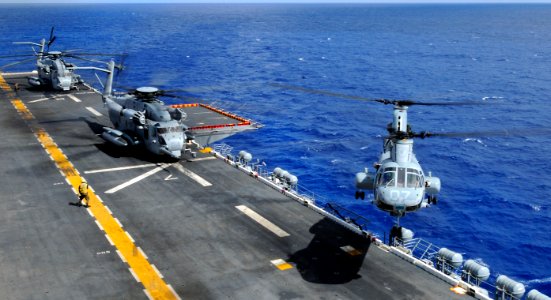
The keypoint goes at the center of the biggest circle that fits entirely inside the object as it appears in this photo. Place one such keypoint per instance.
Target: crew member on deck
(83, 193)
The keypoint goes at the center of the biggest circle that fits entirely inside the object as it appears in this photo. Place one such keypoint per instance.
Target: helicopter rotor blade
(488, 133)
(51, 39)
(17, 55)
(85, 59)
(17, 62)
(398, 102)
(67, 53)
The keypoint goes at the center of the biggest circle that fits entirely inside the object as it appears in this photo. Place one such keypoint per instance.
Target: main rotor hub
(147, 90)
(54, 53)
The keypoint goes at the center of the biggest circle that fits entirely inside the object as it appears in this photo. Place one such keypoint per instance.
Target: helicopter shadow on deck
(138, 152)
(323, 261)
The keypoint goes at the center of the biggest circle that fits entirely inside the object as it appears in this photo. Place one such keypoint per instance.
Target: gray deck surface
(194, 235)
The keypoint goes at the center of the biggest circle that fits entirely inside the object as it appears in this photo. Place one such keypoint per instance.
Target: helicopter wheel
(433, 200)
(362, 195)
(357, 195)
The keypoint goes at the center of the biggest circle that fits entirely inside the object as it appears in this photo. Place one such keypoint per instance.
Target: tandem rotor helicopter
(399, 184)
(52, 70)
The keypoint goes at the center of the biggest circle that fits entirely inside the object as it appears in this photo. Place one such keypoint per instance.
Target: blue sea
(495, 204)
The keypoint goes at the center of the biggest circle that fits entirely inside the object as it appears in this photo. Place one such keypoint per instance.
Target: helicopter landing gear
(360, 195)
(433, 199)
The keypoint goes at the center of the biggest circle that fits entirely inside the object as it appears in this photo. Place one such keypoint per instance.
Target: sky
(274, 1)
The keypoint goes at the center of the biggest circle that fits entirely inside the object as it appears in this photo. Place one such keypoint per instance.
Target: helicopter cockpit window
(401, 177)
(413, 178)
(388, 178)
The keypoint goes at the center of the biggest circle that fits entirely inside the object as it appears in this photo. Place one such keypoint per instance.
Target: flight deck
(198, 228)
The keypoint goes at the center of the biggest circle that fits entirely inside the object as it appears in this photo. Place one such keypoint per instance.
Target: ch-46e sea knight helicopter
(52, 70)
(399, 184)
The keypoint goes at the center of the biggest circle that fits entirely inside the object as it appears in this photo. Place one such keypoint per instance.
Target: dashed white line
(192, 175)
(134, 274)
(99, 225)
(203, 158)
(107, 207)
(119, 168)
(174, 292)
(110, 241)
(144, 255)
(147, 294)
(74, 98)
(262, 221)
(122, 257)
(93, 111)
(136, 179)
(118, 222)
(130, 237)
(90, 212)
(157, 270)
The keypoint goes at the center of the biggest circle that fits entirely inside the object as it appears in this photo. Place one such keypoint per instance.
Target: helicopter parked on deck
(52, 70)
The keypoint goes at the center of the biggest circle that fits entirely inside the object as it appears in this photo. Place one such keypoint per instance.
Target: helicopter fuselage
(399, 184)
(151, 123)
(54, 72)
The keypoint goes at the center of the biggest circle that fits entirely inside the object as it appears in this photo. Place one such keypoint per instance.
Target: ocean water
(495, 203)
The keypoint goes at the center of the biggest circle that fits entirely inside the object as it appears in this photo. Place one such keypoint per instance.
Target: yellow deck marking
(140, 268)
(351, 250)
(206, 150)
(281, 264)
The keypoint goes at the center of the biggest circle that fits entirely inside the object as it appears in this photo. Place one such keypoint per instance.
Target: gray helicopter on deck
(140, 117)
(52, 70)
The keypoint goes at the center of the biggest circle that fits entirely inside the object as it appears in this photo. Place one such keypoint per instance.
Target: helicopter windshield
(413, 178)
(388, 178)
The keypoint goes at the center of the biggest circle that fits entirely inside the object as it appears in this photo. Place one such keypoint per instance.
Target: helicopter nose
(399, 197)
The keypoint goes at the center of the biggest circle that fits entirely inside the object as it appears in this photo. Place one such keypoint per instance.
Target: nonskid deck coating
(195, 236)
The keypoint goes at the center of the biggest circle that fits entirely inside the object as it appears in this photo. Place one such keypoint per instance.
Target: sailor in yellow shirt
(83, 193)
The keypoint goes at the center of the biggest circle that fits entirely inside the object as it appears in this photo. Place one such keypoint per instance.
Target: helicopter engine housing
(365, 181)
(136, 116)
(432, 185)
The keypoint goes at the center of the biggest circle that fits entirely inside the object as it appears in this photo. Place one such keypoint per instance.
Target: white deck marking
(118, 222)
(203, 158)
(174, 292)
(143, 253)
(99, 225)
(119, 169)
(147, 294)
(40, 100)
(192, 175)
(93, 111)
(134, 274)
(110, 241)
(136, 179)
(262, 221)
(169, 177)
(120, 255)
(157, 270)
(130, 237)
(74, 98)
